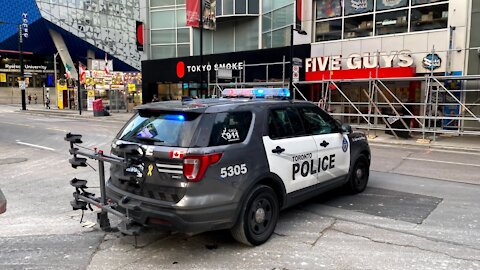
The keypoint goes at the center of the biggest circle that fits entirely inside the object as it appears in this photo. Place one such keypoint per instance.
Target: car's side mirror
(346, 128)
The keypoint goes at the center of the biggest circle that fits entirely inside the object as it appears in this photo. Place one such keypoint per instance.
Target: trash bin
(98, 107)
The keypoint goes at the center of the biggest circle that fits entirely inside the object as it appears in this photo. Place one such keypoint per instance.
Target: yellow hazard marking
(150, 169)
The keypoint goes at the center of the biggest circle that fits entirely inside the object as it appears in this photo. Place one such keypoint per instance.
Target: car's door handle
(324, 144)
(278, 150)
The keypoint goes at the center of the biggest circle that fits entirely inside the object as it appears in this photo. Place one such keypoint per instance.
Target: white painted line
(57, 129)
(35, 146)
(440, 161)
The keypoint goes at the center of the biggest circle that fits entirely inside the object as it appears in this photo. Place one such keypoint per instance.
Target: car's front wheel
(258, 217)
(359, 175)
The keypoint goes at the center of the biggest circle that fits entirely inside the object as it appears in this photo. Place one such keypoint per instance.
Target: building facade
(59, 34)
(346, 38)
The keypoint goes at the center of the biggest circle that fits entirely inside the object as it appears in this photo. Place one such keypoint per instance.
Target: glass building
(58, 34)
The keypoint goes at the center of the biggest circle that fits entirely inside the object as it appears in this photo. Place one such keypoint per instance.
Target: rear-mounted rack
(133, 157)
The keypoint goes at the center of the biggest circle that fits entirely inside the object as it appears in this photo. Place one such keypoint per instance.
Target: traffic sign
(295, 77)
(21, 85)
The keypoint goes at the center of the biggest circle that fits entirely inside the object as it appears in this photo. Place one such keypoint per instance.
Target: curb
(428, 146)
(73, 116)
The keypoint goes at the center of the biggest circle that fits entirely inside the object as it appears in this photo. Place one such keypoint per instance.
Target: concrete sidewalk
(469, 143)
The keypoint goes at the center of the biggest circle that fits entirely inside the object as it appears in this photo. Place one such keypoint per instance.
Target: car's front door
(333, 146)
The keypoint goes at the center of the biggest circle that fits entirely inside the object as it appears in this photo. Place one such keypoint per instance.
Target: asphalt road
(420, 211)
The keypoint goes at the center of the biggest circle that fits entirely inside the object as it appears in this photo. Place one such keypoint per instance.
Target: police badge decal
(345, 144)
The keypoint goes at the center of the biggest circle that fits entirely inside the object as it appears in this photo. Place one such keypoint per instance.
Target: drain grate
(392, 204)
(5, 161)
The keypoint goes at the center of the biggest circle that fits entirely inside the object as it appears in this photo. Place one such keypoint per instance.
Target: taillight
(194, 166)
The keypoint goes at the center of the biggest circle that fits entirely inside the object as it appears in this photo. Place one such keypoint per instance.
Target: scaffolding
(444, 104)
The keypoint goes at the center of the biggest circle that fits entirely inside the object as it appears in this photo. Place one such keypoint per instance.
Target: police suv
(233, 163)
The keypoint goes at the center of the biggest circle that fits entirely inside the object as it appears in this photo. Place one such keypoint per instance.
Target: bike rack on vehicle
(133, 157)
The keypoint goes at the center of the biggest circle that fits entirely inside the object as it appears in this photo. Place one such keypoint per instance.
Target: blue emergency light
(174, 117)
(256, 93)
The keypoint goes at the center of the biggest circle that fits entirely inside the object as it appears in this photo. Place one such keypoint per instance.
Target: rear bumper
(3, 203)
(172, 217)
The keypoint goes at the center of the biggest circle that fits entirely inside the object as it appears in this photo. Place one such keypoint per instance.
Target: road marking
(16, 124)
(440, 161)
(35, 146)
(57, 129)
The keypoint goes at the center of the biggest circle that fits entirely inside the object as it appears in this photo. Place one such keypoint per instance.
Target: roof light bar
(256, 92)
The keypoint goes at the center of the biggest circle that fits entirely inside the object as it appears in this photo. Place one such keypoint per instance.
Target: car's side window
(230, 128)
(315, 122)
(285, 123)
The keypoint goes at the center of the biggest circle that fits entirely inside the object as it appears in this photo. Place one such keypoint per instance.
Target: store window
(160, 3)
(253, 6)
(429, 18)
(163, 36)
(390, 4)
(358, 7)
(358, 26)
(391, 22)
(420, 2)
(275, 23)
(240, 7)
(328, 30)
(328, 9)
(163, 19)
(163, 51)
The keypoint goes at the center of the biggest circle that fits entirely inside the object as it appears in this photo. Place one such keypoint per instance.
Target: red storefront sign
(364, 73)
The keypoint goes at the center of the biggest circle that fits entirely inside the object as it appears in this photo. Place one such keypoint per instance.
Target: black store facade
(172, 78)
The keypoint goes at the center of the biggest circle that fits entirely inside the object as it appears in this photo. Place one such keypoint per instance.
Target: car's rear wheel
(359, 175)
(258, 217)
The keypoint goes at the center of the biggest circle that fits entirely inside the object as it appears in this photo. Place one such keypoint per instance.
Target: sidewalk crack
(322, 233)
(406, 246)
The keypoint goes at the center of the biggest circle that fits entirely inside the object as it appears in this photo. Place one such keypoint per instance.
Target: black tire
(358, 177)
(258, 217)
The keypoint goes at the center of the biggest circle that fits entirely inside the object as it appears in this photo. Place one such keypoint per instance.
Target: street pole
(22, 71)
(201, 47)
(54, 76)
(291, 63)
(79, 94)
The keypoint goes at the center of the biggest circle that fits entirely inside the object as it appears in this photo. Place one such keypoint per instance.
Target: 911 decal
(234, 170)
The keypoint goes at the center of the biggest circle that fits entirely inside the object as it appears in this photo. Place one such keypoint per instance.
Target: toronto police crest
(345, 144)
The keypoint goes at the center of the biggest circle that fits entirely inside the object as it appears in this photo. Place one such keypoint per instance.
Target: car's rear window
(161, 128)
(230, 128)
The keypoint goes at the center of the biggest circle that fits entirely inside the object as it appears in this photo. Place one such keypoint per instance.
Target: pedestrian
(47, 102)
(35, 98)
(29, 98)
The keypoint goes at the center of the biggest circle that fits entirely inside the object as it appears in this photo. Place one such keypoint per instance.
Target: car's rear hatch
(165, 137)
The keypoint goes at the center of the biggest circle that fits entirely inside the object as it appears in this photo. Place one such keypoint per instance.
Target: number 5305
(233, 170)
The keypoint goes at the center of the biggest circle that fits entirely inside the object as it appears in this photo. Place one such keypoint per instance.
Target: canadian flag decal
(177, 154)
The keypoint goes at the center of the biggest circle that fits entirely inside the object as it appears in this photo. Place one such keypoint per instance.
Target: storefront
(176, 77)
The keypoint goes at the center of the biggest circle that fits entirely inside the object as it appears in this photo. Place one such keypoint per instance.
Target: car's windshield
(170, 129)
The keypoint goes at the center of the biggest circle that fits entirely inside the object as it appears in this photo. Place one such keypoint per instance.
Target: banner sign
(358, 6)
(389, 4)
(25, 24)
(298, 14)
(139, 36)
(209, 19)
(209, 14)
(193, 8)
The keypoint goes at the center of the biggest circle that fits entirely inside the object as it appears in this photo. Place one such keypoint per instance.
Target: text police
(304, 165)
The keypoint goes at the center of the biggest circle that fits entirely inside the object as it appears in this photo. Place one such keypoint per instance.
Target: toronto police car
(233, 163)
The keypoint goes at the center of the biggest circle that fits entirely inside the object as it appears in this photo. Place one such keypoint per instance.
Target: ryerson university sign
(359, 61)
